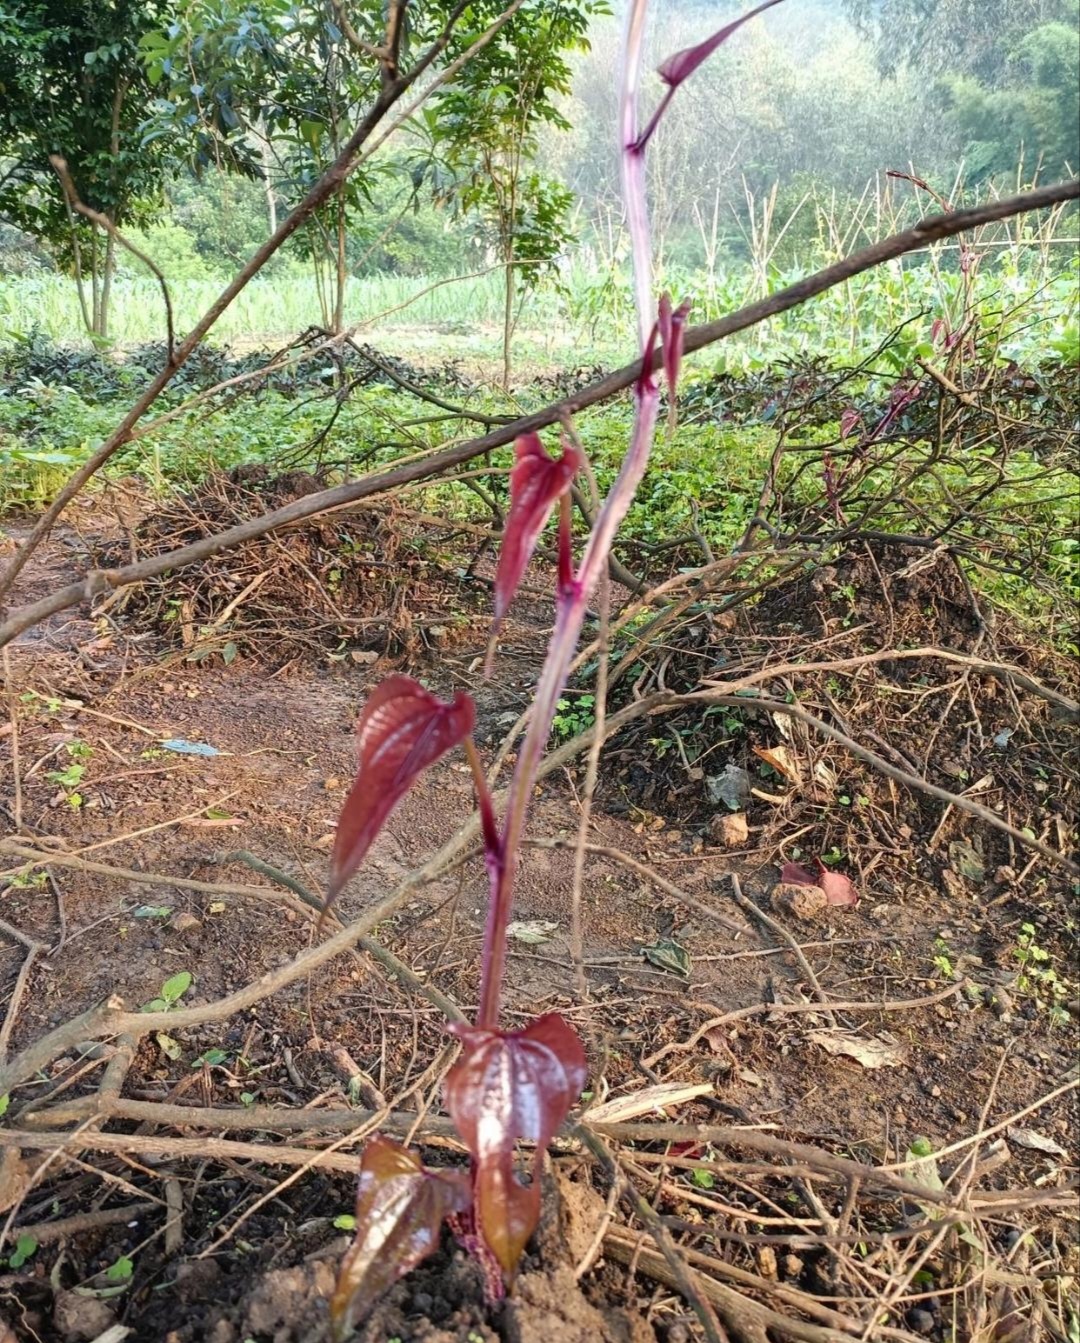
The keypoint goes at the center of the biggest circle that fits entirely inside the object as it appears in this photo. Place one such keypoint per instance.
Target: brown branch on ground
(680, 1276)
(97, 582)
(649, 874)
(909, 780)
(748, 907)
(746, 1318)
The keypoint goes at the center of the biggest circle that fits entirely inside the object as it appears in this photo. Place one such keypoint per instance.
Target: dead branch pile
(953, 723)
(344, 586)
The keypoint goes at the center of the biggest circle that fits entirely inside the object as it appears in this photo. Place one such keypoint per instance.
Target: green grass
(586, 316)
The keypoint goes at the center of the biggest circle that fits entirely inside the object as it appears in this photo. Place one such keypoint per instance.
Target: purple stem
(633, 165)
(573, 596)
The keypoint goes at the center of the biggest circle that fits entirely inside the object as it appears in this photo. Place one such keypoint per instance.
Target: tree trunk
(508, 320)
(268, 185)
(95, 282)
(106, 287)
(342, 275)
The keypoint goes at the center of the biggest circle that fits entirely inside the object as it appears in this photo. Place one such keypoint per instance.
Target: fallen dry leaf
(533, 932)
(1036, 1142)
(872, 1053)
(646, 1102)
(781, 760)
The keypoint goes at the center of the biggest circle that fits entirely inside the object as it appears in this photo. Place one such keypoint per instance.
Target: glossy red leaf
(839, 890)
(536, 483)
(400, 1207)
(510, 1087)
(682, 65)
(402, 730)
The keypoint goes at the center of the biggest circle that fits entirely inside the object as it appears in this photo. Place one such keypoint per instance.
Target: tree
(72, 83)
(966, 37)
(1035, 116)
(483, 135)
(268, 89)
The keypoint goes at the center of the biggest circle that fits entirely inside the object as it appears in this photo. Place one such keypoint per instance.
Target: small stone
(920, 1321)
(184, 923)
(1005, 876)
(792, 1266)
(81, 1318)
(804, 902)
(730, 830)
(422, 1302)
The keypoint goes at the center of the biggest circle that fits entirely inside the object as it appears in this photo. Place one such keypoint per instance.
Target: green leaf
(121, 1270)
(346, 1222)
(213, 1058)
(24, 1248)
(668, 955)
(173, 989)
(5, 1101)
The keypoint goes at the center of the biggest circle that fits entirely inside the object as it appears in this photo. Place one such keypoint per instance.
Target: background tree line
(195, 124)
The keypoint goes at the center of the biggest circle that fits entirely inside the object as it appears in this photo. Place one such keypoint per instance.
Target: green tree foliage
(1037, 114)
(271, 90)
(1006, 73)
(72, 82)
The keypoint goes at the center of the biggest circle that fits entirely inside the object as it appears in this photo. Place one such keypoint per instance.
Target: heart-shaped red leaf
(402, 730)
(506, 1088)
(796, 875)
(400, 1207)
(536, 482)
(839, 890)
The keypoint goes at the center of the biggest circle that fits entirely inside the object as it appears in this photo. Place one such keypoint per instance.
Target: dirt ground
(253, 1252)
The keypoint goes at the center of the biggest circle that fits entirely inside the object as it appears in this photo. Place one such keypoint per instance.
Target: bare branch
(104, 222)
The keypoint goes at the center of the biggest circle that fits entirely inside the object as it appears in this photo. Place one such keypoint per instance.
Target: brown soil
(933, 885)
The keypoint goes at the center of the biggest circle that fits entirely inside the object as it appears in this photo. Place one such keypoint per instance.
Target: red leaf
(683, 64)
(849, 422)
(536, 483)
(671, 327)
(505, 1088)
(400, 1207)
(796, 875)
(839, 890)
(402, 730)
